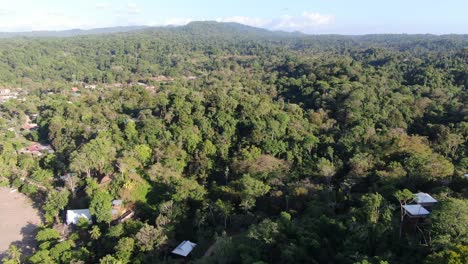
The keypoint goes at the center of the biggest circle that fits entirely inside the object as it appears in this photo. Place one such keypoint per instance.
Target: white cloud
(6, 12)
(104, 5)
(250, 21)
(318, 19)
(133, 9)
(306, 22)
(56, 13)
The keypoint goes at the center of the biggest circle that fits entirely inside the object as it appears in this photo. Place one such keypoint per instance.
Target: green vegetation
(264, 147)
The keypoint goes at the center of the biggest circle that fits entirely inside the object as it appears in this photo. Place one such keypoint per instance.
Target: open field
(18, 221)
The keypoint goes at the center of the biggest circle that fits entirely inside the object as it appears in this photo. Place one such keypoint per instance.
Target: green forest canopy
(269, 147)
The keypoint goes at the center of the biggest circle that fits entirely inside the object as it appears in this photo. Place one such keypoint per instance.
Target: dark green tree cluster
(283, 148)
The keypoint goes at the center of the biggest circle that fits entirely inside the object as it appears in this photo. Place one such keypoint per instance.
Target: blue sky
(309, 16)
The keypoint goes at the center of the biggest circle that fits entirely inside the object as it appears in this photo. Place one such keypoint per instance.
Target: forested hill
(122, 57)
(258, 146)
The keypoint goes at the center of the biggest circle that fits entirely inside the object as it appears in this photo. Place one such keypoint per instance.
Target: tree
(428, 167)
(250, 189)
(95, 232)
(108, 259)
(150, 237)
(56, 201)
(101, 206)
(124, 249)
(455, 255)
(143, 153)
(13, 255)
(42, 257)
(131, 133)
(225, 209)
(373, 221)
(95, 155)
(403, 197)
(83, 223)
(265, 232)
(225, 251)
(326, 169)
(47, 234)
(186, 189)
(449, 223)
(71, 182)
(61, 251)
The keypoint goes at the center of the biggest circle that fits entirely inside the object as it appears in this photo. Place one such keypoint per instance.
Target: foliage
(296, 147)
(101, 206)
(449, 223)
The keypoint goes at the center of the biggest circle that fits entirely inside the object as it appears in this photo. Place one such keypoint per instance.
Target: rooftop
(424, 198)
(184, 248)
(416, 210)
(73, 216)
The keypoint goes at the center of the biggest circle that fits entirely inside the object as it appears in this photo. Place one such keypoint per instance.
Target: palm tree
(14, 254)
(95, 232)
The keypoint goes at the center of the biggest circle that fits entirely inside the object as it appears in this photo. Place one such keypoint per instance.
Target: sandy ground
(18, 221)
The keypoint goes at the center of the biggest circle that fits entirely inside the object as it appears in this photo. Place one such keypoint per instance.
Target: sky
(351, 17)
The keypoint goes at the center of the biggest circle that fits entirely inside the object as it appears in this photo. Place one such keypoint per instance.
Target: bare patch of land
(18, 221)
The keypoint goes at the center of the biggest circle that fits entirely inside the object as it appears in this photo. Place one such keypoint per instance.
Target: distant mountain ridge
(204, 28)
(72, 32)
(196, 27)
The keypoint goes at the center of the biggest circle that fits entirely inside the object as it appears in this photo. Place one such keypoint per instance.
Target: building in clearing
(184, 248)
(415, 211)
(73, 216)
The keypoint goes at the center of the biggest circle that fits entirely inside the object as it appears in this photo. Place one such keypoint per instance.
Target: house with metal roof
(415, 211)
(184, 248)
(425, 200)
(73, 216)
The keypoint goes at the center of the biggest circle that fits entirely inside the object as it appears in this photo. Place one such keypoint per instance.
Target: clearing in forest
(18, 221)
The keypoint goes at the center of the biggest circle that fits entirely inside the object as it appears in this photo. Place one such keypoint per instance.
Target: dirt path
(18, 221)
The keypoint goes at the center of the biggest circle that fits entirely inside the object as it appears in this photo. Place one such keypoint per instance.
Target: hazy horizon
(311, 17)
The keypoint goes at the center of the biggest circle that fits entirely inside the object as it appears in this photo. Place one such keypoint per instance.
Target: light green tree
(95, 232)
(101, 206)
(56, 201)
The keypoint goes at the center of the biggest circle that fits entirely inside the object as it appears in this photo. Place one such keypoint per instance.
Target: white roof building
(424, 198)
(184, 248)
(73, 216)
(415, 210)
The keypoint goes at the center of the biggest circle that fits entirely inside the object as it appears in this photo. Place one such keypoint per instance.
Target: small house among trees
(184, 248)
(73, 216)
(415, 211)
(425, 200)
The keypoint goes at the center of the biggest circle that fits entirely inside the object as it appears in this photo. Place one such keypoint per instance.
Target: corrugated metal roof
(416, 210)
(424, 198)
(184, 248)
(73, 216)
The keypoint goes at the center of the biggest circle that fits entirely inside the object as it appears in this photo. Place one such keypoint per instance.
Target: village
(72, 217)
